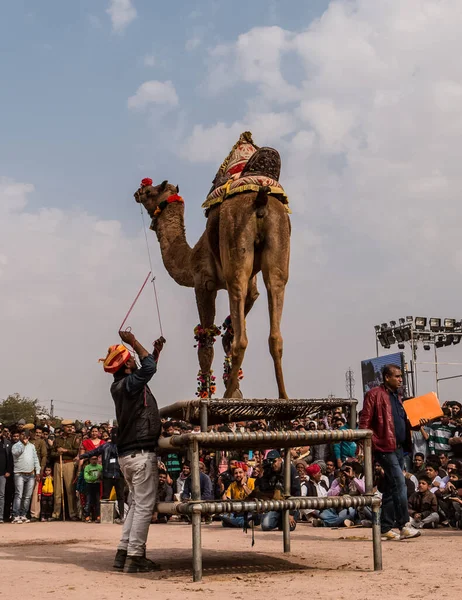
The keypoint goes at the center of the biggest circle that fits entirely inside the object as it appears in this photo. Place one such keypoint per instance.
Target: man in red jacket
(383, 412)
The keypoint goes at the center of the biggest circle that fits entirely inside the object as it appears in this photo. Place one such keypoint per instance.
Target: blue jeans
(231, 520)
(394, 498)
(331, 518)
(24, 487)
(273, 520)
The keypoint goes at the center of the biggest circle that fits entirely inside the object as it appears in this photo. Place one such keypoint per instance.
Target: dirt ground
(66, 560)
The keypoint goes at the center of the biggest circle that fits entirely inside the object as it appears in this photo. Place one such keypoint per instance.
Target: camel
(244, 235)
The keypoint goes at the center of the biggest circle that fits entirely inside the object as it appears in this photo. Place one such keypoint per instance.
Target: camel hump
(265, 161)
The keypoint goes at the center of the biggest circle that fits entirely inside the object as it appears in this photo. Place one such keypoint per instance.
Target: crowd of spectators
(44, 469)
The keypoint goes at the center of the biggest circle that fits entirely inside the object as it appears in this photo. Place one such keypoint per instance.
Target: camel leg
(275, 281)
(205, 301)
(238, 289)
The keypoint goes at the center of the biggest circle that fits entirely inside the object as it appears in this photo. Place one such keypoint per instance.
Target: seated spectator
(347, 483)
(205, 483)
(271, 484)
(239, 489)
(418, 467)
(438, 483)
(423, 505)
(344, 449)
(164, 494)
(185, 473)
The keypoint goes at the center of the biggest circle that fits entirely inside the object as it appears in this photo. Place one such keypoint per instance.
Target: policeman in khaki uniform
(66, 445)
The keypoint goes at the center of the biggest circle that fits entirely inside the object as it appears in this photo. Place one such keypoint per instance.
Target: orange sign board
(422, 407)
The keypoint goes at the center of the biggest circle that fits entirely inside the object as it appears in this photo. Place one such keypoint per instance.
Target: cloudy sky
(363, 100)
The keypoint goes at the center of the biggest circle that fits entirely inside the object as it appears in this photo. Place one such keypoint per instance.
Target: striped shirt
(438, 441)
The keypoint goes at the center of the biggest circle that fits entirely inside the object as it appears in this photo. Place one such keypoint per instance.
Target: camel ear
(163, 185)
(177, 189)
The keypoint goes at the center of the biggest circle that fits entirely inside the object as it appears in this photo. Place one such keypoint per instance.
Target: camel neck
(176, 252)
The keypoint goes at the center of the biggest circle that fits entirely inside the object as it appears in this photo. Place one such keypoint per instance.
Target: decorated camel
(247, 231)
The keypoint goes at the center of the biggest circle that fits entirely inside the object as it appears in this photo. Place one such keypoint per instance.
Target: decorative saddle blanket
(247, 168)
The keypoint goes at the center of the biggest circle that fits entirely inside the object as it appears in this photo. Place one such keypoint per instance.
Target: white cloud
(154, 92)
(122, 13)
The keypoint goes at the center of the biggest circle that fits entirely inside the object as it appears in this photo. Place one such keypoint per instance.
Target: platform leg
(285, 513)
(197, 546)
(196, 514)
(376, 537)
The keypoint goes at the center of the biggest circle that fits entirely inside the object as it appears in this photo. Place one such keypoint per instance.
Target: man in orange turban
(138, 423)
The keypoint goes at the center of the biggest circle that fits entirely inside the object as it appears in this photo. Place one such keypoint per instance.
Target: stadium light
(449, 324)
(420, 322)
(435, 324)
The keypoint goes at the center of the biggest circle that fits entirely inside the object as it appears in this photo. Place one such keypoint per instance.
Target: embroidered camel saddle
(247, 168)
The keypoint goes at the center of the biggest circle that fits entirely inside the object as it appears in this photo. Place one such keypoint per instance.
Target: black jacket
(6, 458)
(272, 480)
(138, 418)
(110, 459)
(311, 490)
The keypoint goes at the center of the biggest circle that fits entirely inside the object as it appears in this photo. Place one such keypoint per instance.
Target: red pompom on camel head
(145, 182)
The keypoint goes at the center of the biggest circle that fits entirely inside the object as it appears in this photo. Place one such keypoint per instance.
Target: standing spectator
(441, 431)
(419, 436)
(65, 446)
(93, 475)
(112, 476)
(36, 438)
(383, 412)
(26, 471)
(6, 469)
(46, 495)
(330, 471)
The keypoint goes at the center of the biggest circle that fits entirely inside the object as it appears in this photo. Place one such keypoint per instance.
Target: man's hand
(291, 521)
(7, 474)
(424, 422)
(127, 337)
(417, 516)
(158, 345)
(62, 450)
(37, 478)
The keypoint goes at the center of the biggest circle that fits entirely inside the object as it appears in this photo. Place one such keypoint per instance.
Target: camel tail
(261, 199)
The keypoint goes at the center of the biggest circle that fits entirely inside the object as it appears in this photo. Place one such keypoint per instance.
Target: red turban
(313, 469)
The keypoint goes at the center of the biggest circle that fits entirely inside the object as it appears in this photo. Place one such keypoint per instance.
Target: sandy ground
(66, 560)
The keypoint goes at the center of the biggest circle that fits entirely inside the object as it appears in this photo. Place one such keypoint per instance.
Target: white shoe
(390, 536)
(17, 521)
(408, 532)
(25, 520)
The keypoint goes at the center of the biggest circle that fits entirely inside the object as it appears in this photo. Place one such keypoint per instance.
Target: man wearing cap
(272, 482)
(66, 447)
(139, 426)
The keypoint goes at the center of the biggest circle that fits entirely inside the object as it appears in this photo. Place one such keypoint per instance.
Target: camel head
(150, 196)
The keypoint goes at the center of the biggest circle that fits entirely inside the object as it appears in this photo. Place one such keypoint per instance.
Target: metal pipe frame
(285, 512)
(196, 508)
(203, 417)
(261, 506)
(266, 439)
(196, 512)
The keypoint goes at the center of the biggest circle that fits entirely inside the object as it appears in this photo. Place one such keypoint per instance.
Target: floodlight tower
(350, 383)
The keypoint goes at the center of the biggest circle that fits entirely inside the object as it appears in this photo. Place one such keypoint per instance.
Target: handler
(138, 432)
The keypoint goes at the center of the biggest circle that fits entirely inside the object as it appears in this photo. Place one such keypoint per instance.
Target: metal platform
(278, 439)
(229, 410)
